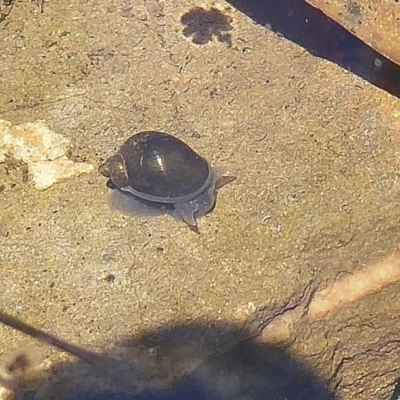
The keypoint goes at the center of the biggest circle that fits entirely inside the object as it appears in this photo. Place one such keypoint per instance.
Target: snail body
(159, 168)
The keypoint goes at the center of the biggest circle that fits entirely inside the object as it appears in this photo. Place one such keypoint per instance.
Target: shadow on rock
(185, 362)
(203, 25)
(311, 29)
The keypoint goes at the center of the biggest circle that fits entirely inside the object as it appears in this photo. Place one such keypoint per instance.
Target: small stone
(44, 152)
(46, 173)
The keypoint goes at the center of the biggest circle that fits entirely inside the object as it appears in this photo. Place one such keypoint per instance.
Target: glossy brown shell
(163, 166)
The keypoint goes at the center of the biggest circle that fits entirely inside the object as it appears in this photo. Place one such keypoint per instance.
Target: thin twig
(108, 367)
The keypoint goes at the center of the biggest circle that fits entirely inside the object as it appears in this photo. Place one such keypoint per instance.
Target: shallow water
(315, 151)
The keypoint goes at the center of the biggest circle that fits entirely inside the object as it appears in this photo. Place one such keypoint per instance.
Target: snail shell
(159, 168)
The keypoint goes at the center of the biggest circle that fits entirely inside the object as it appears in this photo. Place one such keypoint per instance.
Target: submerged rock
(44, 152)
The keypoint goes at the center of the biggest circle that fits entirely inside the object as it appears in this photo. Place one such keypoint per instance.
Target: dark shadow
(189, 362)
(305, 25)
(203, 25)
(396, 392)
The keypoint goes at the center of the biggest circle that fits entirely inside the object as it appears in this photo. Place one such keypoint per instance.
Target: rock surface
(315, 150)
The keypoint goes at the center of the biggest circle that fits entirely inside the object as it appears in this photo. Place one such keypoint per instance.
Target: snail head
(115, 169)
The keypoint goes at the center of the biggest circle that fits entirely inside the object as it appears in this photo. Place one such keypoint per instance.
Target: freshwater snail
(163, 171)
